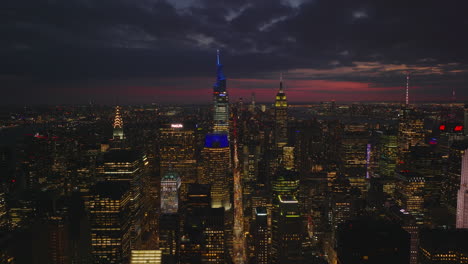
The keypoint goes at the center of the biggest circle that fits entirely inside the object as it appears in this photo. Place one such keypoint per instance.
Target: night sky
(143, 51)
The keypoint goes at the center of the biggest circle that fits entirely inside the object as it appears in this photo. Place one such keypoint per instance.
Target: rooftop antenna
(407, 87)
(281, 82)
(217, 55)
(454, 98)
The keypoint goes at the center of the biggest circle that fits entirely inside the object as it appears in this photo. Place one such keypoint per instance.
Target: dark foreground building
(372, 241)
(443, 246)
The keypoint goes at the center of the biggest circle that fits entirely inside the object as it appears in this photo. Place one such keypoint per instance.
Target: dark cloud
(85, 43)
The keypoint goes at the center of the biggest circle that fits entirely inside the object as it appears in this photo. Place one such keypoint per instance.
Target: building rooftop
(121, 155)
(287, 199)
(113, 190)
(261, 211)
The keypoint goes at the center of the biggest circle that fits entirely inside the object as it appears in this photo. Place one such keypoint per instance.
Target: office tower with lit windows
(146, 257)
(387, 150)
(3, 212)
(121, 165)
(198, 199)
(177, 152)
(287, 231)
(214, 237)
(216, 169)
(169, 219)
(462, 197)
(409, 194)
(285, 182)
(110, 218)
(281, 118)
(354, 150)
(342, 209)
(203, 237)
(124, 165)
(170, 184)
(410, 132)
(220, 100)
(169, 229)
(58, 239)
(261, 236)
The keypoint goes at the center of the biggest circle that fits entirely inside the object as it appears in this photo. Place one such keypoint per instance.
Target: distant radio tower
(454, 98)
(407, 87)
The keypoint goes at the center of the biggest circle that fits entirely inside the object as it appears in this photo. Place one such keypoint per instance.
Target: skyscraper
(123, 165)
(410, 128)
(203, 236)
(110, 218)
(220, 100)
(170, 184)
(465, 123)
(281, 117)
(216, 164)
(261, 235)
(177, 150)
(462, 198)
(287, 231)
(118, 133)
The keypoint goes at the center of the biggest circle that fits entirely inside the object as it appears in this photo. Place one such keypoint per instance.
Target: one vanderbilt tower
(220, 100)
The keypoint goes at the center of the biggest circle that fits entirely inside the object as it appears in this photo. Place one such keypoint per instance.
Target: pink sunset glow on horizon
(199, 90)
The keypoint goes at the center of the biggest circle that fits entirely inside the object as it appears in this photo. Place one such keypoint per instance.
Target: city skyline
(163, 51)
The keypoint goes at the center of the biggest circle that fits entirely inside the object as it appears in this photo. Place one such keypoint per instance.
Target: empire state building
(281, 117)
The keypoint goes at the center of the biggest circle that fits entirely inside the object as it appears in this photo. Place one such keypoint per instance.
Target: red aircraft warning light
(442, 127)
(458, 128)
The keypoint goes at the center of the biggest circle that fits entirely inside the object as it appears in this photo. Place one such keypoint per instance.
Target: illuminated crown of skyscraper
(118, 122)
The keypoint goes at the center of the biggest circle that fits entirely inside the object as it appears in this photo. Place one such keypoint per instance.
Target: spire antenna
(217, 55)
(281, 81)
(407, 87)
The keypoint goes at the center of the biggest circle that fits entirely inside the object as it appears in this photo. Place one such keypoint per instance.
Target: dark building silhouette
(368, 241)
(443, 246)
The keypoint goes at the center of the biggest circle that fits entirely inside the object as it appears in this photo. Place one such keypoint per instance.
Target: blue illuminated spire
(220, 85)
